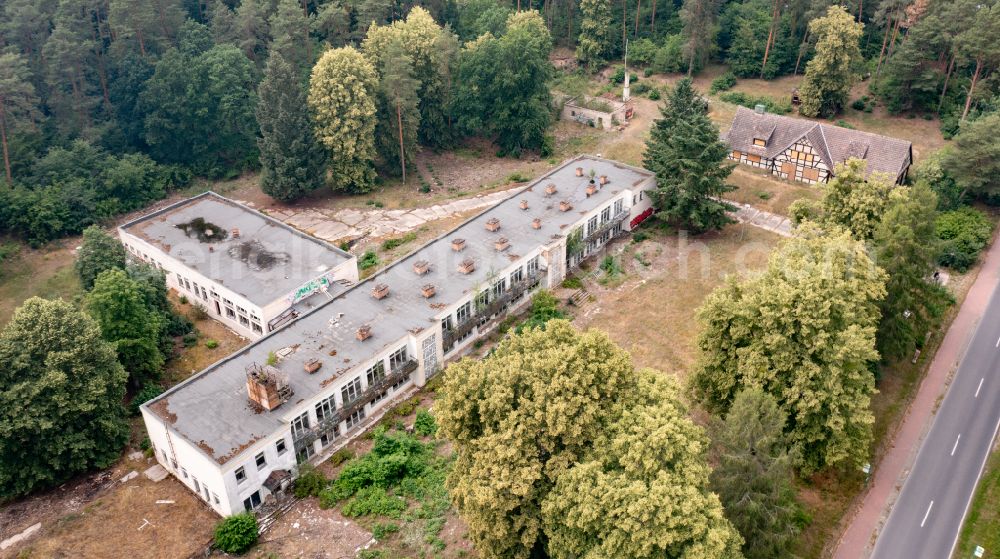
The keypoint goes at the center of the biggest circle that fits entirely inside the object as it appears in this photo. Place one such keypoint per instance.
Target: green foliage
(394, 456)
(341, 456)
(572, 282)
(932, 171)
(749, 101)
(424, 424)
(368, 260)
(817, 366)
(596, 36)
(395, 242)
(374, 500)
(382, 529)
(700, 20)
(725, 82)
(746, 29)
(237, 533)
(310, 481)
(554, 453)
(670, 57)
(965, 233)
(753, 476)
(98, 252)
(147, 393)
(292, 162)
(688, 186)
(503, 85)
(544, 307)
(211, 344)
(642, 51)
(975, 161)
(856, 202)
(654, 94)
(61, 392)
(831, 72)
(517, 177)
(611, 267)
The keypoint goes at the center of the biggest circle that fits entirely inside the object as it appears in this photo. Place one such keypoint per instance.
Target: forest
(106, 105)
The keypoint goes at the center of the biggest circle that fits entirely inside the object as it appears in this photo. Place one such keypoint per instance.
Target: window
(482, 299)
(619, 206)
(257, 328)
(205, 489)
(399, 384)
(197, 487)
(227, 301)
(516, 276)
(760, 142)
(261, 460)
(592, 225)
(606, 215)
(280, 447)
(533, 266)
(379, 397)
(306, 453)
(753, 158)
(184, 473)
(204, 294)
(351, 392)
(241, 309)
(241, 475)
(464, 312)
(499, 287)
(164, 453)
(398, 358)
(173, 463)
(215, 498)
(230, 313)
(325, 408)
(736, 155)
(375, 373)
(252, 502)
(329, 437)
(356, 418)
(244, 320)
(300, 425)
(197, 288)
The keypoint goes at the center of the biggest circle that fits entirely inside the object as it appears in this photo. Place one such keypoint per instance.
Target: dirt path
(859, 537)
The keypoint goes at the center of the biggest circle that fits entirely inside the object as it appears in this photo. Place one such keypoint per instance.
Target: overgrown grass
(982, 525)
(777, 106)
(394, 242)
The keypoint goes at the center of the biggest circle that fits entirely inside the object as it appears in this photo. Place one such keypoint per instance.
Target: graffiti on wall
(310, 287)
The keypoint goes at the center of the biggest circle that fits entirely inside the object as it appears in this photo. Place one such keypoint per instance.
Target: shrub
(641, 88)
(211, 344)
(424, 425)
(654, 95)
(642, 51)
(770, 105)
(390, 244)
(237, 533)
(517, 177)
(572, 282)
(425, 188)
(310, 481)
(725, 82)
(965, 232)
(190, 339)
(199, 312)
(184, 300)
(611, 266)
(382, 529)
(844, 124)
(647, 72)
(374, 500)
(145, 394)
(368, 260)
(640, 236)
(341, 456)
(670, 57)
(344, 246)
(858, 104)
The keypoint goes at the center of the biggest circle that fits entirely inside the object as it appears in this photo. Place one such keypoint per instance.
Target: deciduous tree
(596, 37)
(342, 96)
(98, 252)
(831, 73)
(61, 392)
(803, 331)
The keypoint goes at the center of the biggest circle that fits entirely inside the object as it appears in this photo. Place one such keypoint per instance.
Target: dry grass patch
(46, 272)
(766, 192)
(190, 360)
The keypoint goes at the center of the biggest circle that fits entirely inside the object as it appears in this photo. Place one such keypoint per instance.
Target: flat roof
(254, 255)
(212, 409)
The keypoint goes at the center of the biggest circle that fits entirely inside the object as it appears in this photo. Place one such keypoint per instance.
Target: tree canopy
(832, 71)
(98, 252)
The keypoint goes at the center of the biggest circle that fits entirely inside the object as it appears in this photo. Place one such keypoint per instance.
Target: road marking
(956, 444)
(926, 514)
(998, 342)
(978, 387)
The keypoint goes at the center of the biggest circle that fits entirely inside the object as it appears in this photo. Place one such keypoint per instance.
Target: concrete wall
(599, 119)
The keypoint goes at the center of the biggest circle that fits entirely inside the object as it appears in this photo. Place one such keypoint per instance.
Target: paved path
(779, 224)
(916, 528)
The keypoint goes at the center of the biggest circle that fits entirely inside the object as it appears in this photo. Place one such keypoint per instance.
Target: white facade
(319, 423)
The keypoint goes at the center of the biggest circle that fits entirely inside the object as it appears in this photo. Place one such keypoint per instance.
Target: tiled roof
(835, 144)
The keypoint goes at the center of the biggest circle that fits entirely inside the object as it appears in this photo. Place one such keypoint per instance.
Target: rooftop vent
(421, 267)
(550, 189)
(428, 290)
(536, 223)
(502, 244)
(565, 206)
(579, 171)
(591, 189)
(467, 266)
(267, 386)
(380, 291)
(312, 366)
(235, 233)
(457, 244)
(364, 332)
(604, 180)
(492, 224)
(524, 204)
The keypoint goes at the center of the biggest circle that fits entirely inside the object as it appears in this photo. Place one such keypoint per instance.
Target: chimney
(312, 366)
(467, 266)
(492, 224)
(579, 171)
(524, 204)
(550, 188)
(266, 386)
(604, 180)
(591, 190)
(380, 291)
(457, 244)
(536, 223)
(420, 267)
(235, 233)
(565, 206)
(364, 332)
(428, 290)
(501, 244)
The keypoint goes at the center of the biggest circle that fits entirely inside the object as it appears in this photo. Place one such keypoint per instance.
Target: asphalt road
(926, 518)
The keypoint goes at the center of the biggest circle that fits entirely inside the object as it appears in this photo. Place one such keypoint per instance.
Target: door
(218, 309)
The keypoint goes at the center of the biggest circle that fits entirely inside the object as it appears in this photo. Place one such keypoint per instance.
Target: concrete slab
(18, 538)
(156, 473)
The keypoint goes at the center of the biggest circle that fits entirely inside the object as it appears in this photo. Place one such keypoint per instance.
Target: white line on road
(978, 387)
(956, 444)
(998, 342)
(926, 514)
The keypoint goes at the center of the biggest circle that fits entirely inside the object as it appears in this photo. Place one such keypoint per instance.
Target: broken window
(325, 408)
(280, 446)
(300, 425)
(375, 373)
(241, 475)
(261, 460)
(351, 392)
(356, 417)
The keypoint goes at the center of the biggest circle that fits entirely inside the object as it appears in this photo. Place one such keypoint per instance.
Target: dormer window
(759, 142)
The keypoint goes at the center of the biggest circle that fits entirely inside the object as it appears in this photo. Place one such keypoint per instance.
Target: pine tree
(61, 392)
(98, 252)
(596, 37)
(753, 475)
(290, 27)
(700, 28)
(831, 72)
(253, 34)
(342, 96)
(689, 160)
(975, 161)
(69, 55)
(292, 162)
(18, 102)
(398, 114)
(981, 43)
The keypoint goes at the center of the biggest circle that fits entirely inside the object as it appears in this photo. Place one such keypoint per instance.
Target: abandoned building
(598, 112)
(250, 272)
(236, 432)
(807, 151)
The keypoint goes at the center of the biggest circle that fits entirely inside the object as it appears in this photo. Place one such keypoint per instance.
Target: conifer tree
(292, 161)
(689, 160)
(18, 102)
(398, 114)
(290, 27)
